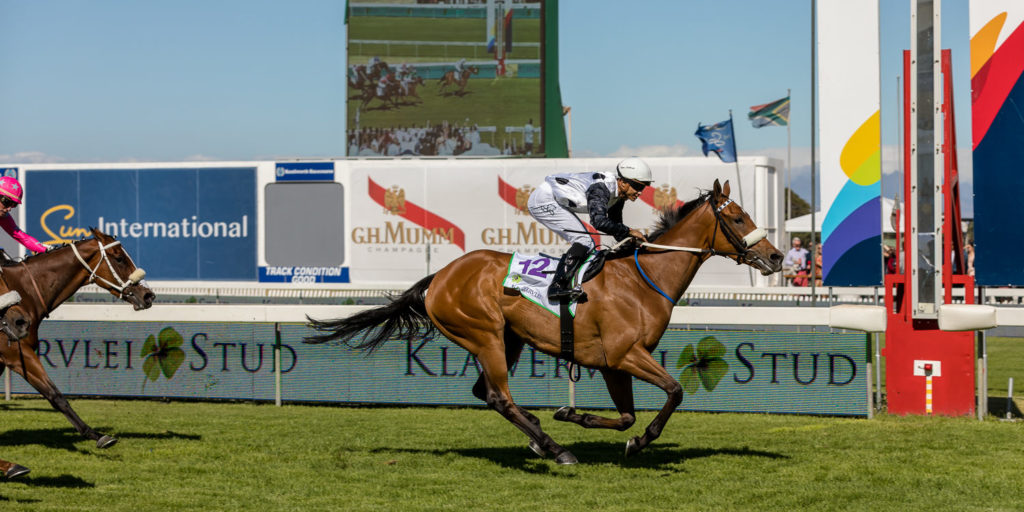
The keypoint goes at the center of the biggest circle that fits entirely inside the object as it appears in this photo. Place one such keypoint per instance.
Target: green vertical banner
(555, 143)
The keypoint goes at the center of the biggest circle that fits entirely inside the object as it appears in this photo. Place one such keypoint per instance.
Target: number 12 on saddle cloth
(531, 275)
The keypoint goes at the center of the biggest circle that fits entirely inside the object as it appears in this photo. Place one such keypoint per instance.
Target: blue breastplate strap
(637, 261)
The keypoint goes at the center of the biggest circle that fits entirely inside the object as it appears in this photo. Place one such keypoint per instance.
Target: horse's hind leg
(620, 387)
(513, 347)
(499, 398)
(28, 366)
(11, 470)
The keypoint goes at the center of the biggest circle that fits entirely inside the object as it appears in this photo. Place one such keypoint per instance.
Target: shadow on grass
(66, 438)
(659, 456)
(63, 481)
(12, 406)
(6, 499)
(998, 407)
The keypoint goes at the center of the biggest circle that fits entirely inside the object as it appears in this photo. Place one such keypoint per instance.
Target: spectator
(795, 264)
(528, 137)
(969, 249)
(817, 264)
(889, 259)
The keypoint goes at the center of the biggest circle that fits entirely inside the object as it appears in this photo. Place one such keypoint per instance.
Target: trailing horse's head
(741, 239)
(113, 270)
(14, 321)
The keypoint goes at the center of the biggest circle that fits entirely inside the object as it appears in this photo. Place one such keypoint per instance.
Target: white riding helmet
(635, 169)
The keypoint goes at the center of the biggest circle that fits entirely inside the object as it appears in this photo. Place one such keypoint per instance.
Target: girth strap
(565, 322)
(568, 334)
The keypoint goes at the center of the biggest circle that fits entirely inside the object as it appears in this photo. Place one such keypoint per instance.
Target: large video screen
(445, 78)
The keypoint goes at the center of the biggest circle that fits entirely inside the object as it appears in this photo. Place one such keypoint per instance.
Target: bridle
(137, 275)
(741, 245)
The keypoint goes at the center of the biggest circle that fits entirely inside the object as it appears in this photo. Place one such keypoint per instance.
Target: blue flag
(718, 138)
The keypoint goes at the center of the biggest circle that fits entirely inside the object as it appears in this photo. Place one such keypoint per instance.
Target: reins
(741, 245)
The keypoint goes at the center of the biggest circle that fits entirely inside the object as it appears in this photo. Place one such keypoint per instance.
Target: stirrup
(556, 294)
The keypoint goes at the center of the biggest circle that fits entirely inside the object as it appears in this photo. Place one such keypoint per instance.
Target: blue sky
(119, 80)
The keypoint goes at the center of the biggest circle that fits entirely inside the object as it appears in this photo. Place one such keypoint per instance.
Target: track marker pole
(277, 364)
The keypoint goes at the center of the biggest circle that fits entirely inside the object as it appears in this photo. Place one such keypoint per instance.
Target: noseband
(137, 275)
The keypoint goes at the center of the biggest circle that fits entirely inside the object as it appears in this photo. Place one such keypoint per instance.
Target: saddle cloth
(531, 275)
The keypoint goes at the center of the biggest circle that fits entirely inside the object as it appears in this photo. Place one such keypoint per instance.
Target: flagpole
(737, 160)
(789, 166)
(739, 181)
(814, 195)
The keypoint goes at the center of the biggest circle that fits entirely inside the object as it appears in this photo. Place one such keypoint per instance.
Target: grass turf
(239, 456)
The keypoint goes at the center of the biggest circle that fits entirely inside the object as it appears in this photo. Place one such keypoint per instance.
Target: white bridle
(137, 275)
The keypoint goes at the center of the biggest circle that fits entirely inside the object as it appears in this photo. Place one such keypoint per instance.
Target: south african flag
(775, 113)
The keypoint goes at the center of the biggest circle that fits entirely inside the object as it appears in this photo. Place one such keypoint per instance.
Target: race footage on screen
(444, 78)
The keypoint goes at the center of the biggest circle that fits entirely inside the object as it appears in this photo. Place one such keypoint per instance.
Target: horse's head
(14, 321)
(113, 270)
(742, 240)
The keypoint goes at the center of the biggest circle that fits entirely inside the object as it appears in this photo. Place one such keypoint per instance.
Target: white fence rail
(297, 313)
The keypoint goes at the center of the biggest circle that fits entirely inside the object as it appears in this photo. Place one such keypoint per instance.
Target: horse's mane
(7, 261)
(671, 216)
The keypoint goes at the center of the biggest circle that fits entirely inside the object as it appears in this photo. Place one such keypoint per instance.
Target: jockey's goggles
(639, 186)
(7, 202)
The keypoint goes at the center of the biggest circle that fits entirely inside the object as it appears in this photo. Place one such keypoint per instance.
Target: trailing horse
(45, 281)
(616, 331)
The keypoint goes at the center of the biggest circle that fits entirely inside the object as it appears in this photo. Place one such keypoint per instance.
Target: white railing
(740, 295)
(297, 313)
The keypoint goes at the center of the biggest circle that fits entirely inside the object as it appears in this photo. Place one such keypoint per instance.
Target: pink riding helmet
(11, 188)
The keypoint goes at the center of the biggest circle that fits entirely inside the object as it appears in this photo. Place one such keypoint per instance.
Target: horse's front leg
(639, 363)
(27, 364)
(620, 387)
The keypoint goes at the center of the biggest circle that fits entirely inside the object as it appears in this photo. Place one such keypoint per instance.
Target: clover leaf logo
(704, 366)
(162, 355)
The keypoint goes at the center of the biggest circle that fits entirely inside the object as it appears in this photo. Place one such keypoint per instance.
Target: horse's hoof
(632, 446)
(562, 414)
(16, 471)
(105, 442)
(537, 449)
(565, 458)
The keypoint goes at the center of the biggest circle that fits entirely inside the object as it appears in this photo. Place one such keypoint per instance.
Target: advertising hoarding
(997, 70)
(805, 373)
(177, 223)
(850, 130)
(445, 78)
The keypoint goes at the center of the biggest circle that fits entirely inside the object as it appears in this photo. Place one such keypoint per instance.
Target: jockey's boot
(561, 285)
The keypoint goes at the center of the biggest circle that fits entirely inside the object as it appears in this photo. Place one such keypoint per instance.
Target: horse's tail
(405, 318)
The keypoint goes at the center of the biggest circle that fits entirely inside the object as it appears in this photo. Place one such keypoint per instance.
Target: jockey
(460, 66)
(560, 197)
(382, 85)
(404, 76)
(10, 198)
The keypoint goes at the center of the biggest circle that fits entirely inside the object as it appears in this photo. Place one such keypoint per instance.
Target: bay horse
(449, 78)
(616, 330)
(48, 279)
(409, 89)
(14, 325)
